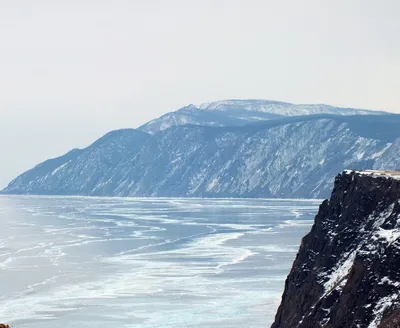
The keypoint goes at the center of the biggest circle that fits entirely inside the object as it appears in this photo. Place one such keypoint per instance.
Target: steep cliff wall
(347, 271)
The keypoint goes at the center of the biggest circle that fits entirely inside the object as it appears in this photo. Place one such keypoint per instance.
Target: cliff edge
(347, 271)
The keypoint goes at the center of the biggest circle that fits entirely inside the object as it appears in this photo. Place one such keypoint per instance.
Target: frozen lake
(181, 263)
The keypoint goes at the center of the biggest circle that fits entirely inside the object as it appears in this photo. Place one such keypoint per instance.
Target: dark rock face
(392, 320)
(347, 271)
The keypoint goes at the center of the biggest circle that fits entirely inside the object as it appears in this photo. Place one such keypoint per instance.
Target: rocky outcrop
(347, 271)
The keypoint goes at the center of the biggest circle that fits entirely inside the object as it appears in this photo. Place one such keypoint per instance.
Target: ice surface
(145, 263)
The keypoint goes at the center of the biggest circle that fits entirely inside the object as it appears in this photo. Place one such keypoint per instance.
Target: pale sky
(73, 70)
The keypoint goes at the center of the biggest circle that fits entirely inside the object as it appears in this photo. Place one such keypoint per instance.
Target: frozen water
(85, 262)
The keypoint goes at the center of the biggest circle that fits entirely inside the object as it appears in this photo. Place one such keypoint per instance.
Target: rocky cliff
(347, 271)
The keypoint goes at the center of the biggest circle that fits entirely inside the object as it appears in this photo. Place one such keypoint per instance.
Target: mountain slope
(196, 116)
(347, 271)
(390, 159)
(241, 112)
(291, 157)
(80, 171)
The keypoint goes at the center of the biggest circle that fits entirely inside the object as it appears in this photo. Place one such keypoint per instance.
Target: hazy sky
(72, 70)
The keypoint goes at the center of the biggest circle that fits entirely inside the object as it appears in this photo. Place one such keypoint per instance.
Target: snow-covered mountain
(237, 112)
(347, 271)
(196, 116)
(282, 108)
(289, 157)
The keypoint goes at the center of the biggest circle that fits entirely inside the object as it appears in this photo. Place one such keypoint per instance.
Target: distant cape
(232, 148)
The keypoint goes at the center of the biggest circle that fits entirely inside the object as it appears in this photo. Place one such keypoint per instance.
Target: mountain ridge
(299, 109)
(236, 112)
(289, 157)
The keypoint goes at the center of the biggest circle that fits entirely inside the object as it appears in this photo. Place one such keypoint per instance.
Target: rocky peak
(347, 271)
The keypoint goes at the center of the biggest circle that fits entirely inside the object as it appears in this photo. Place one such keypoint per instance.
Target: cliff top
(377, 173)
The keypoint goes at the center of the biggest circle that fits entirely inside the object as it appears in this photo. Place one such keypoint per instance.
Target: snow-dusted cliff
(347, 271)
(290, 157)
